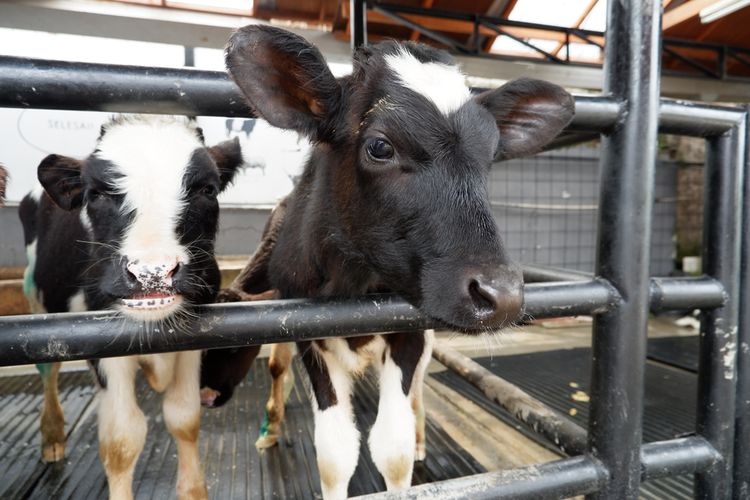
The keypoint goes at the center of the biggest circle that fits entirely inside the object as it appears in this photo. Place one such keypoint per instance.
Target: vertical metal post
(358, 23)
(741, 484)
(722, 217)
(624, 238)
(477, 48)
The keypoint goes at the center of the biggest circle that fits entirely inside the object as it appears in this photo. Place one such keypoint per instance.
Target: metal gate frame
(619, 296)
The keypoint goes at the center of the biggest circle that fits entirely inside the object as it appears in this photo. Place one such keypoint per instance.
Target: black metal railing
(619, 295)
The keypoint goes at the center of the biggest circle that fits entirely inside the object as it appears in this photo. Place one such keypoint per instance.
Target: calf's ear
(284, 78)
(529, 114)
(228, 158)
(61, 178)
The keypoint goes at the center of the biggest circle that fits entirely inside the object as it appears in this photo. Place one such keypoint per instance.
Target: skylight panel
(597, 18)
(550, 12)
(506, 45)
(238, 5)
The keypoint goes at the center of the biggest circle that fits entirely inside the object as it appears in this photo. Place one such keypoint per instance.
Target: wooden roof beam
(683, 12)
(426, 4)
(577, 24)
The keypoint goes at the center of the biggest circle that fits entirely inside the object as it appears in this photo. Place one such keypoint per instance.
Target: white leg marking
(159, 369)
(417, 396)
(392, 437)
(336, 434)
(182, 413)
(122, 425)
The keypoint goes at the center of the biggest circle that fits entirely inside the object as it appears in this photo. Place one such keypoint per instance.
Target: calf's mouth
(154, 300)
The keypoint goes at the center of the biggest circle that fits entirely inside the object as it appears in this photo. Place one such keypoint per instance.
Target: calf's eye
(94, 195)
(380, 149)
(209, 190)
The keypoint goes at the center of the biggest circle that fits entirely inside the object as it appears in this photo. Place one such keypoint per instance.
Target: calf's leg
(392, 438)
(122, 425)
(336, 434)
(182, 416)
(281, 379)
(52, 421)
(417, 400)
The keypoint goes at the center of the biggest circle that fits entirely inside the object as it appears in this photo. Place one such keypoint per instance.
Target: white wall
(274, 157)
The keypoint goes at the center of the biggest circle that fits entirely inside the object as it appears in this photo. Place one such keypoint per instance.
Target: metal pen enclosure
(620, 295)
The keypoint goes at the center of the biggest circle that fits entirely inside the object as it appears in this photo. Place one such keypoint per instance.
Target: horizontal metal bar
(62, 337)
(550, 300)
(36, 83)
(534, 273)
(666, 293)
(570, 138)
(551, 480)
(677, 457)
(568, 436)
(675, 117)
(595, 113)
(688, 118)
(686, 293)
(44, 84)
(69, 336)
(564, 478)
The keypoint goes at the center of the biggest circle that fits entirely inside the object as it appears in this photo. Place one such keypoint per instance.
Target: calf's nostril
(482, 297)
(130, 276)
(174, 270)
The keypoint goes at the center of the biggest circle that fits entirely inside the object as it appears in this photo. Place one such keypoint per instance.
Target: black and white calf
(393, 198)
(3, 183)
(131, 228)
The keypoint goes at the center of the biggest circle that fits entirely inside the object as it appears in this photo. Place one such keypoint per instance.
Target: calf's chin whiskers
(171, 327)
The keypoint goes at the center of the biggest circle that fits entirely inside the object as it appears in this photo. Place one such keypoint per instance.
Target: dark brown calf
(393, 198)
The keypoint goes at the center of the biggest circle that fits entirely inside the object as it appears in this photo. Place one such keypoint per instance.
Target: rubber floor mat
(560, 379)
(234, 468)
(681, 352)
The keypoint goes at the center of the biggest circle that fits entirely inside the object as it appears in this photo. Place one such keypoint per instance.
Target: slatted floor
(234, 469)
(554, 377)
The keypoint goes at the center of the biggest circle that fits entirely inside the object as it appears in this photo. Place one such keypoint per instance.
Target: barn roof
(506, 28)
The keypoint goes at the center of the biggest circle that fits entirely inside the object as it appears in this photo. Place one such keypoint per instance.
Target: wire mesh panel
(546, 208)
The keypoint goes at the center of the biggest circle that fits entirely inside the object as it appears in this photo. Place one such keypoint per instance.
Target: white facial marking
(151, 154)
(444, 85)
(83, 215)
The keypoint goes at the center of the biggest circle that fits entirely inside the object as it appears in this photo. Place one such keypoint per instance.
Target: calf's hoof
(195, 492)
(53, 452)
(267, 441)
(208, 397)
